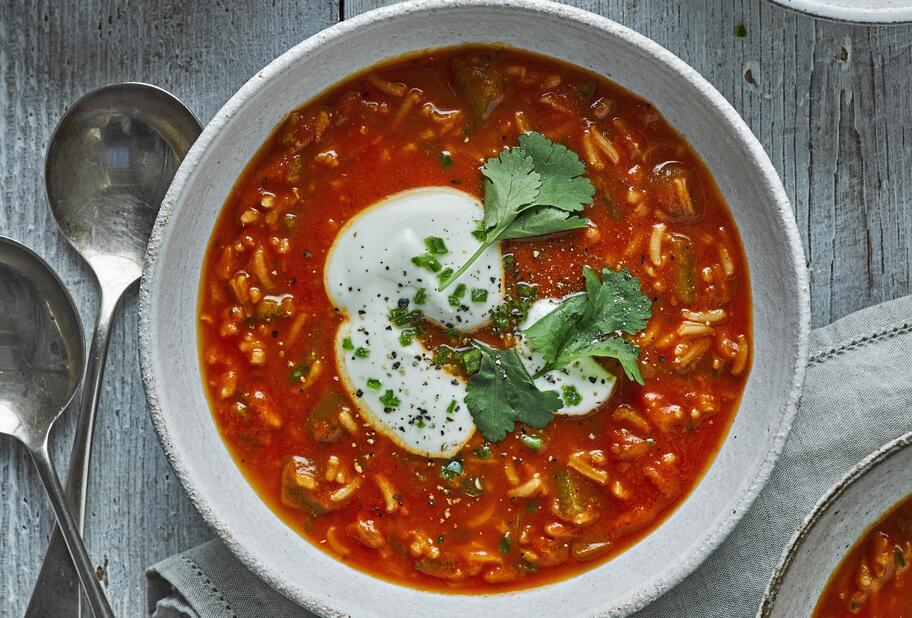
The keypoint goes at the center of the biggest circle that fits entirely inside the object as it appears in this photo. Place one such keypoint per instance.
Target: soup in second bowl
(873, 580)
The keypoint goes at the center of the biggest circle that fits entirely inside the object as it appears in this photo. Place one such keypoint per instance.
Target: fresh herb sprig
(502, 392)
(590, 324)
(530, 190)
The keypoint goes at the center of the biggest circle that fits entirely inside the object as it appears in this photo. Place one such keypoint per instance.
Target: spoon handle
(56, 591)
(67, 524)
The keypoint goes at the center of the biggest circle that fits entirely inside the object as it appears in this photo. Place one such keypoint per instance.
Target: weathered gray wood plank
(831, 103)
(50, 53)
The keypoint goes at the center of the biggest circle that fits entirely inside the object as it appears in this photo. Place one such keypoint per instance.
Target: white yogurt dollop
(369, 270)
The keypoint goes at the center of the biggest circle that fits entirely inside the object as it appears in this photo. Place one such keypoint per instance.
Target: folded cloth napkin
(857, 397)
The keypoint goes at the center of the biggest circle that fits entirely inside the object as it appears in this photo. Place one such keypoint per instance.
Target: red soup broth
(873, 580)
(267, 326)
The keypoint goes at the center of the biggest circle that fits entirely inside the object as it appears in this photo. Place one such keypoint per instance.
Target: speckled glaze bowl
(873, 487)
(855, 11)
(168, 302)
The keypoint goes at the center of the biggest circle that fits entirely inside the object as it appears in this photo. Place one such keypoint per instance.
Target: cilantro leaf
(511, 183)
(527, 189)
(542, 221)
(589, 324)
(562, 182)
(503, 393)
(548, 335)
(616, 347)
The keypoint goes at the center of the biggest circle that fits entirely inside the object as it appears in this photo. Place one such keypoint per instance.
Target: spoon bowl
(41, 360)
(41, 349)
(108, 166)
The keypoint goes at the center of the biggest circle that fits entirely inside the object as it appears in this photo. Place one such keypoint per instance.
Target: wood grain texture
(50, 54)
(831, 103)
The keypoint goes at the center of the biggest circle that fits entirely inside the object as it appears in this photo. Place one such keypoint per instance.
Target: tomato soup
(873, 580)
(474, 320)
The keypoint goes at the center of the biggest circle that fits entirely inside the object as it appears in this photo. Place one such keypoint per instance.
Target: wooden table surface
(831, 103)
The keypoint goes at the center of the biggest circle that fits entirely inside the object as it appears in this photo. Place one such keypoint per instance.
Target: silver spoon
(41, 358)
(108, 166)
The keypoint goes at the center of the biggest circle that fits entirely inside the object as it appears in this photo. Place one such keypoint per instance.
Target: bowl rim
(821, 508)
(826, 9)
(780, 206)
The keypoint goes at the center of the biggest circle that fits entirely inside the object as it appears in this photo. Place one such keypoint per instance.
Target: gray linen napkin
(856, 398)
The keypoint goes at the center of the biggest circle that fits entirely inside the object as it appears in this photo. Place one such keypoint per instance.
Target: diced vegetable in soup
(873, 580)
(475, 320)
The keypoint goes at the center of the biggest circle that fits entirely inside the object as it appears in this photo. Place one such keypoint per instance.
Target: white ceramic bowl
(168, 302)
(857, 11)
(843, 514)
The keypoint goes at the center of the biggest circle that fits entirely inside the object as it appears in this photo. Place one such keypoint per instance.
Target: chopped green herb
(443, 355)
(533, 442)
(347, 344)
(530, 190)
(504, 544)
(428, 261)
(452, 407)
(740, 30)
(508, 261)
(516, 309)
(441, 539)
(404, 317)
(435, 245)
(570, 395)
(532, 507)
(524, 291)
(420, 296)
(451, 470)
(588, 324)
(456, 297)
(389, 399)
(420, 424)
(899, 558)
(445, 159)
(299, 372)
(406, 336)
(469, 360)
(362, 352)
(443, 274)
(483, 452)
(479, 295)
(503, 393)
(373, 384)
